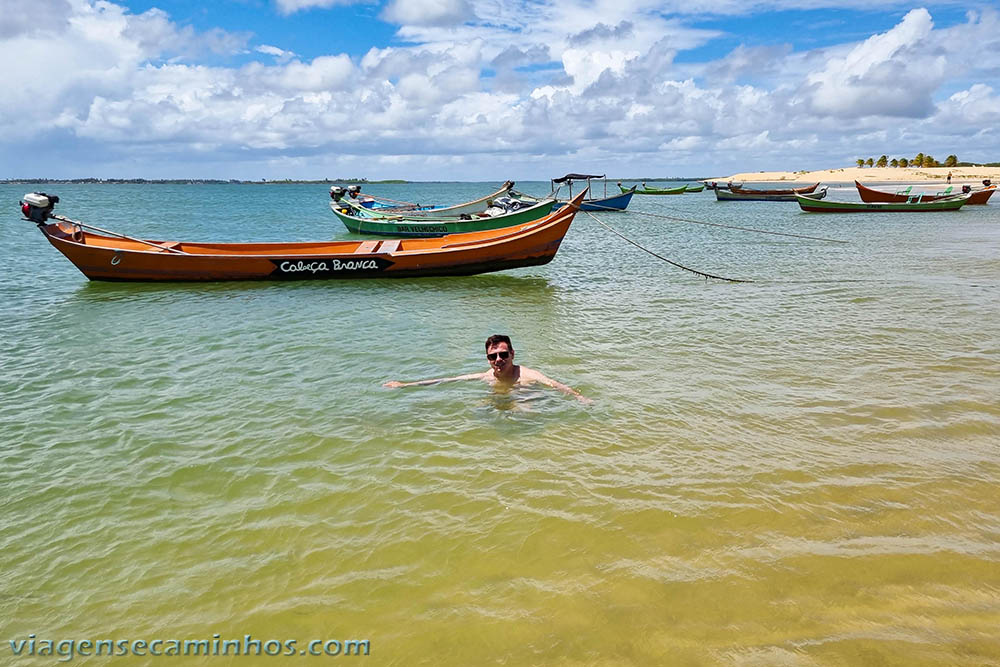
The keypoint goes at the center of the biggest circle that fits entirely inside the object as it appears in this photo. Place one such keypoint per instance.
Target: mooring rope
(719, 224)
(668, 261)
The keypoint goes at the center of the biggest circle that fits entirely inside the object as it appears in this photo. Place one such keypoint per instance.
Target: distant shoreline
(967, 174)
(973, 175)
(330, 181)
(189, 181)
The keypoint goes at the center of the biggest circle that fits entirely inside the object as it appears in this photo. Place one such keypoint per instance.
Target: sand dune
(973, 175)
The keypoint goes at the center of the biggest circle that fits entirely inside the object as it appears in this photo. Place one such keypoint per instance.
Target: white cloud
(571, 90)
(292, 6)
(281, 55)
(891, 74)
(428, 12)
(977, 109)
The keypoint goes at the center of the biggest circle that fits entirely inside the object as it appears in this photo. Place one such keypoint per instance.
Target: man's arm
(566, 389)
(395, 384)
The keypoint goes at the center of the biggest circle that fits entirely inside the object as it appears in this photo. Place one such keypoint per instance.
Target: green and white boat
(361, 220)
(654, 191)
(814, 205)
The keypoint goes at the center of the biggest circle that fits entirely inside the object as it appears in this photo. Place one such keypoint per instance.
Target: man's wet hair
(498, 338)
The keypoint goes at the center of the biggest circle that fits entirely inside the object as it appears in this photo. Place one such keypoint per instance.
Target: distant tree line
(919, 160)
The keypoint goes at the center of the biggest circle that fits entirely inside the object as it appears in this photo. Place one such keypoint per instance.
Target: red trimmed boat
(980, 196)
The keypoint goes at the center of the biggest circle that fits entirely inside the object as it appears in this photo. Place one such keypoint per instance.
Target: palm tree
(882, 161)
(870, 162)
(904, 163)
(951, 161)
(861, 162)
(894, 163)
(929, 161)
(918, 160)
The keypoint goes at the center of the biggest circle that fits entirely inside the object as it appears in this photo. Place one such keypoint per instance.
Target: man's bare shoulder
(530, 375)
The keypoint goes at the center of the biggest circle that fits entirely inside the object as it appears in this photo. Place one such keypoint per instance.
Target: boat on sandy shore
(504, 212)
(977, 196)
(812, 204)
(103, 255)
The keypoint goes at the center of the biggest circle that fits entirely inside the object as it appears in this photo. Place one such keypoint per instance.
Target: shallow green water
(801, 470)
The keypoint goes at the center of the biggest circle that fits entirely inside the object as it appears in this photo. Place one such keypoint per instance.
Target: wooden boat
(360, 220)
(653, 191)
(734, 187)
(812, 204)
(722, 194)
(976, 197)
(468, 208)
(613, 203)
(606, 203)
(103, 255)
(694, 188)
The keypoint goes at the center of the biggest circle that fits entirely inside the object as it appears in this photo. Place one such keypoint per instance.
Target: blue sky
(488, 90)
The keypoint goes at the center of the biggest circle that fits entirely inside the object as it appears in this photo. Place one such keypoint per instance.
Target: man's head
(499, 352)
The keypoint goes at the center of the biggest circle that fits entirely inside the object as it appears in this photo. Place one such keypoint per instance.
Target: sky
(489, 90)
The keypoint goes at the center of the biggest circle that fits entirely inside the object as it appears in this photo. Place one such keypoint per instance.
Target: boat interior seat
(947, 190)
(904, 192)
(389, 246)
(365, 247)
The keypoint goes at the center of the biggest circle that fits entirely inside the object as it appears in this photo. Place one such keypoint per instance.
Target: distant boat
(976, 197)
(653, 191)
(738, 187)
(353, 194)
(742, 194)
(505, 212)
(812, 204)
(694, 188)
(613, 203)
(110, 256)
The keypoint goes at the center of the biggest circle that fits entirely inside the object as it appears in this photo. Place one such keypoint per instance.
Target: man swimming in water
(503, 372)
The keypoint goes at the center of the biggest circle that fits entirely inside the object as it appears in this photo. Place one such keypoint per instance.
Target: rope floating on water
(719, 224)
(743, 229)
(668, 261)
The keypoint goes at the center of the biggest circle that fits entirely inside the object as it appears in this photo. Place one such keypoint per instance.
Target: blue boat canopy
(576, 177)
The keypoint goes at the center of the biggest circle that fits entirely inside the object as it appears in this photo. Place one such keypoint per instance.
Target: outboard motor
(966, 189)
(336, 193)
(986, 182)
(36, 206)
(353, 191)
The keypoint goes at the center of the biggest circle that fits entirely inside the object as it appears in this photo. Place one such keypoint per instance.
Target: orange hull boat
(120, 258)
(867, 194)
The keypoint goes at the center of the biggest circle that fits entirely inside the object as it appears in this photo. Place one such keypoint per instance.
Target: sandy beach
(974, 175)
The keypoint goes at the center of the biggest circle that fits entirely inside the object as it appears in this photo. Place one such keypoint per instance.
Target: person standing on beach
(503, 372)
(949, 177)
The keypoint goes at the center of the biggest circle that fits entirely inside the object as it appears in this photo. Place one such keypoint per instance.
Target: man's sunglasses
(503, 354)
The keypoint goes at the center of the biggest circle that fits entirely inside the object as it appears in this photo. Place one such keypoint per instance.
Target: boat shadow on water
(526, 287)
